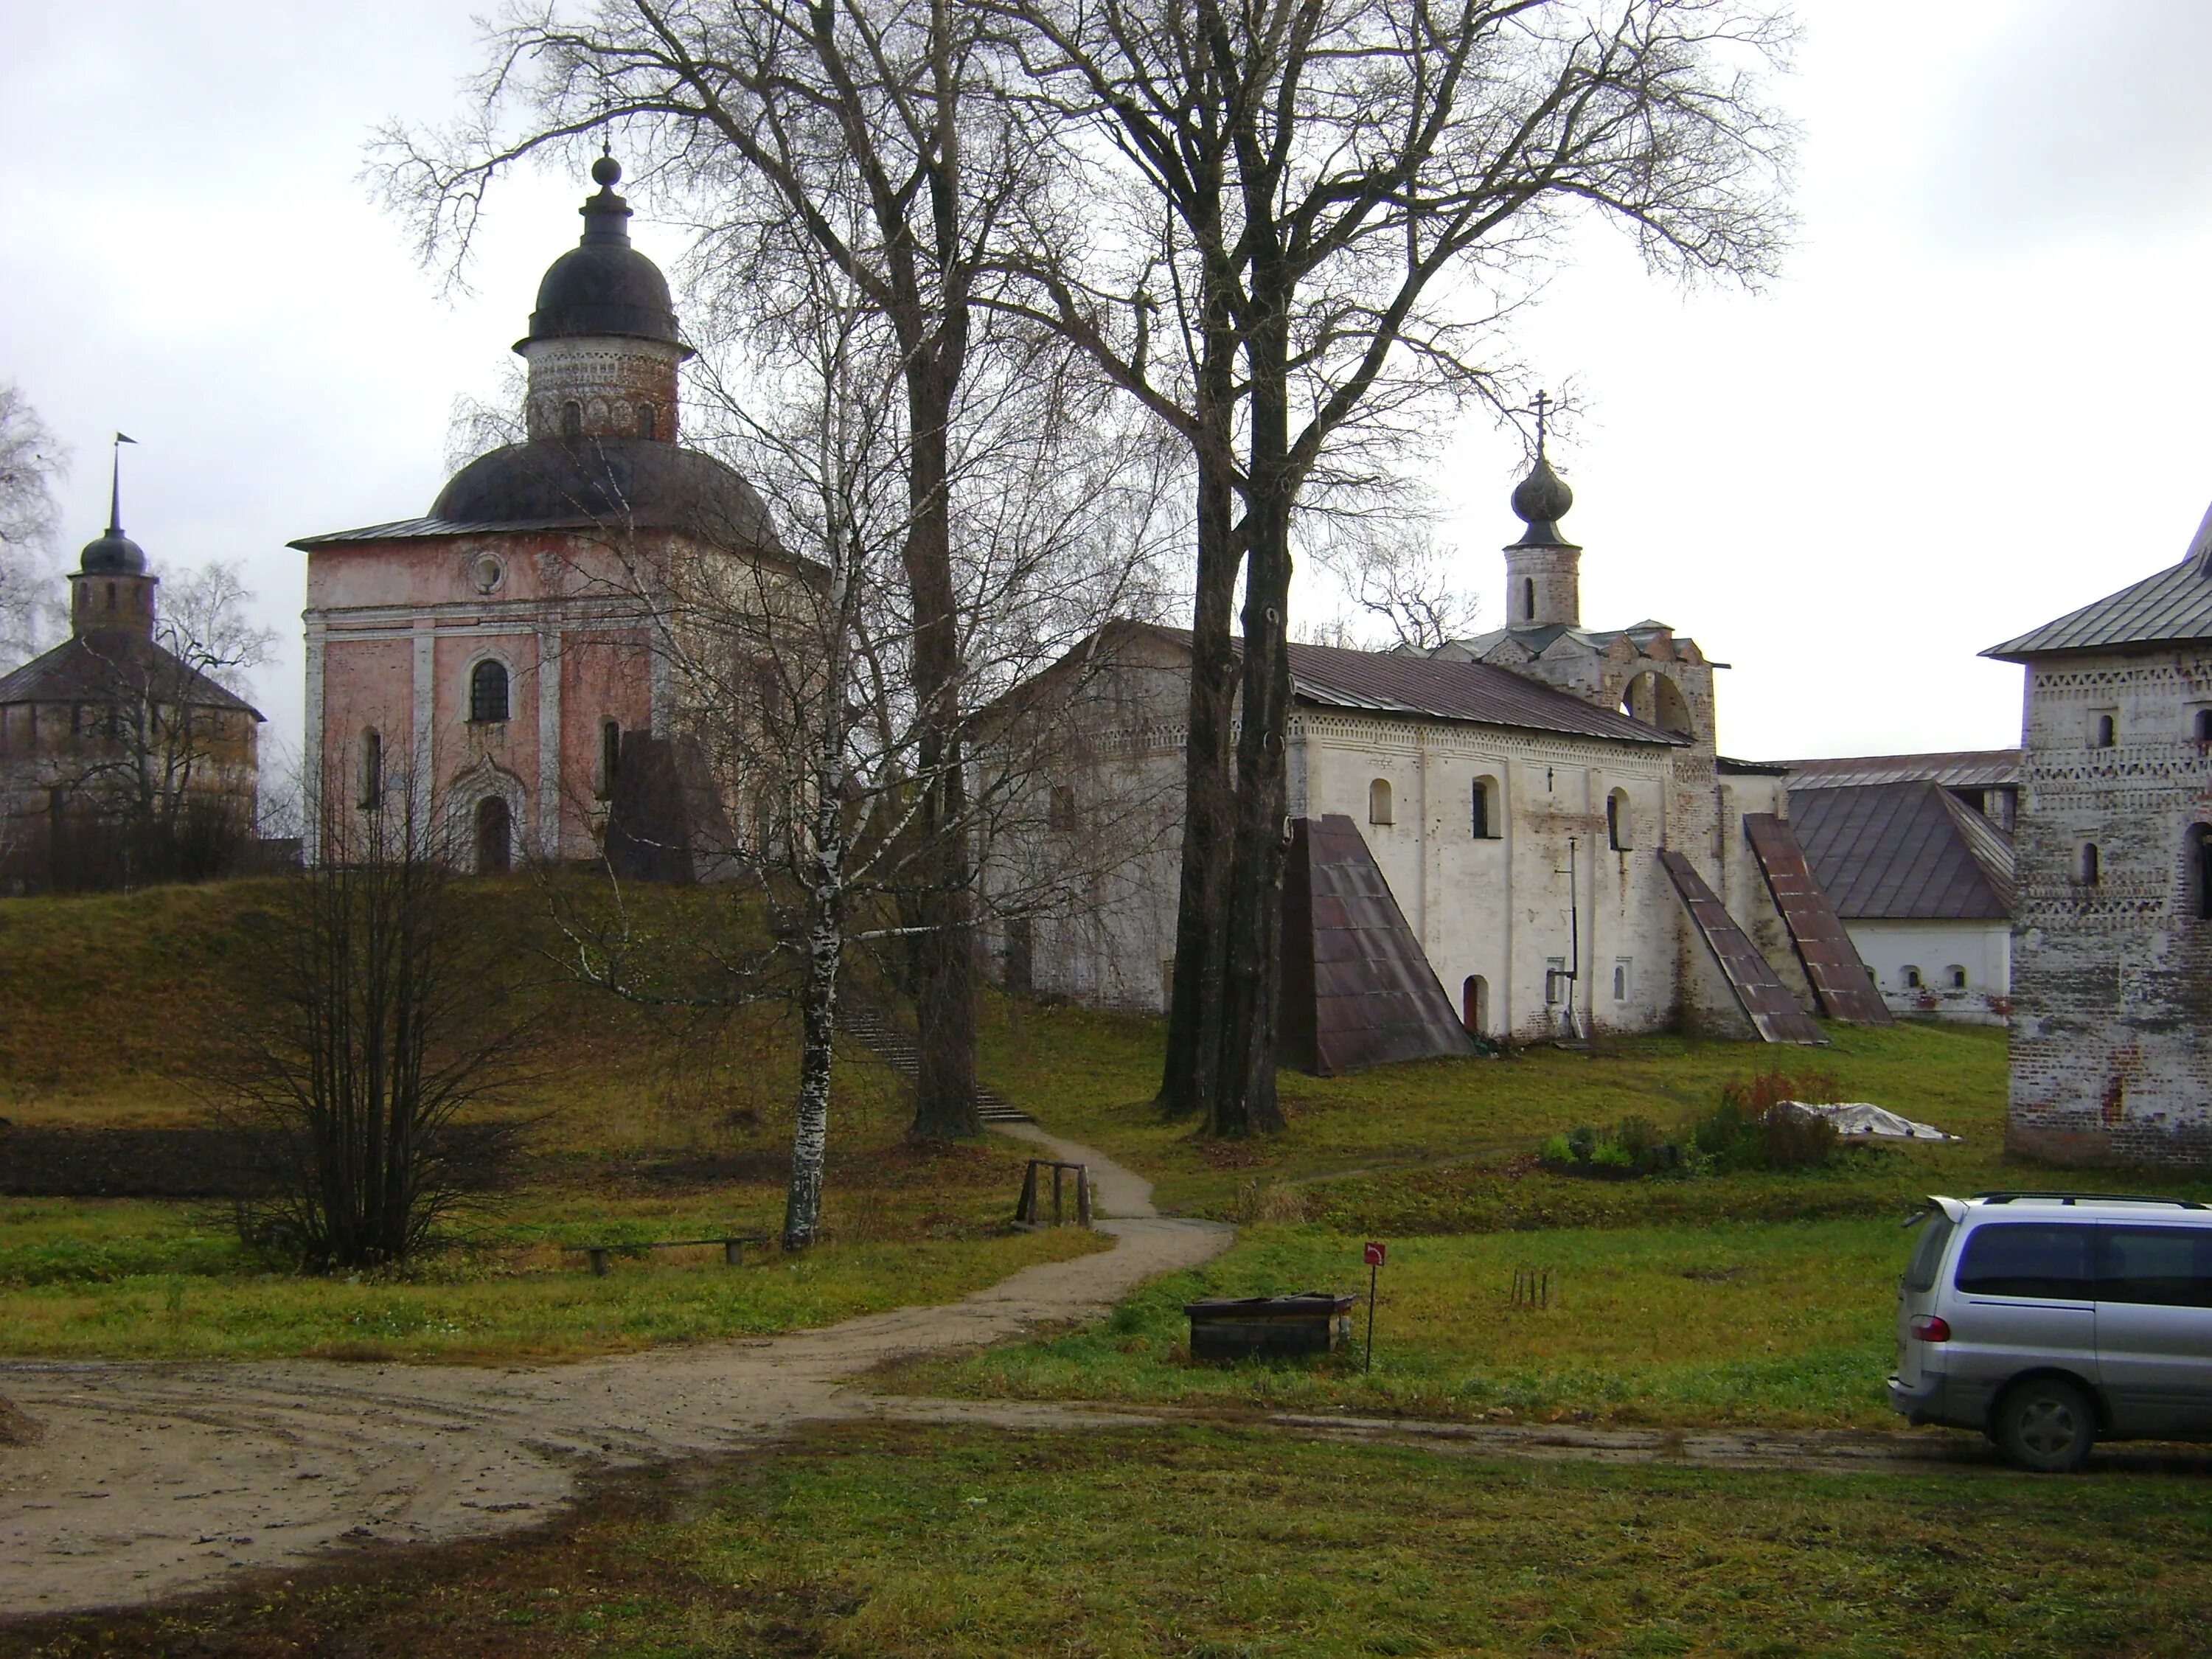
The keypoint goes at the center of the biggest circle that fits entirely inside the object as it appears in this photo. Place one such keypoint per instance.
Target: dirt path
(154, 1480)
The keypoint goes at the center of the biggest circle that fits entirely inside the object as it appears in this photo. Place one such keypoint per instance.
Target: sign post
(1374, 1253)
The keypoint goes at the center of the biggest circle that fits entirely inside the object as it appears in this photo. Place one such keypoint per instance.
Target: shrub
(1633, 1145)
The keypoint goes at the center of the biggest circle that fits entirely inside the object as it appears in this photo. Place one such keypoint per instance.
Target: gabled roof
(2169, 608)
(1386, 682)
(1957, 768)
(1908, 851)
(98, 666)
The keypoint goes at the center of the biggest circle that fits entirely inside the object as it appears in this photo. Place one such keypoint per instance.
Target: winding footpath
(156, 1480)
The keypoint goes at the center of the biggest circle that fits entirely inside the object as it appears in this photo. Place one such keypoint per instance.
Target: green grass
(1210, 1543)
(648, 1128)
(1777, 1324)
(1446, 1146)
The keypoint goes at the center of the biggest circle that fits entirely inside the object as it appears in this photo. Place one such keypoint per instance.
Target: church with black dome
(503, 656)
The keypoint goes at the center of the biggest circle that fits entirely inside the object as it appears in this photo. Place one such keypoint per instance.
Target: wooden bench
(733, 1248)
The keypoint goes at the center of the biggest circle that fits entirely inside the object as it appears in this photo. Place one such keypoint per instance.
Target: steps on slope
(897, 1050)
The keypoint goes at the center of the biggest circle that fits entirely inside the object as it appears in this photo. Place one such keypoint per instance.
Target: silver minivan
(2049, 1320)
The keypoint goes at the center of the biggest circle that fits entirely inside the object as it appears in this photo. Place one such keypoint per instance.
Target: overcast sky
(1971, 403)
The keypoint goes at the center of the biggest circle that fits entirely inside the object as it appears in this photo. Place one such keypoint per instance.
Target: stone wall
(2111, 971)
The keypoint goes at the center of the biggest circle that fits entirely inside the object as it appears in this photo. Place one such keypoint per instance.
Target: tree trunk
(943, 950)
(826, 936)
(1193, 1036)
(1244, 1100)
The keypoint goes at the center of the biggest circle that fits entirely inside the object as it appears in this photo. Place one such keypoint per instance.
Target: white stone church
(1544, 800)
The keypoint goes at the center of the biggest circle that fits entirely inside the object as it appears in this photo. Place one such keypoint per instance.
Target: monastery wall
(2112, 967)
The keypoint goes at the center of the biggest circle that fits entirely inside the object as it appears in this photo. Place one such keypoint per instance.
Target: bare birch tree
(852, 129)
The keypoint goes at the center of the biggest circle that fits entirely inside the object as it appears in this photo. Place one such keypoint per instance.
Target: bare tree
(31, 460)
(1394, 170)
(1394, 570)
(373, 1017)
(852, 130)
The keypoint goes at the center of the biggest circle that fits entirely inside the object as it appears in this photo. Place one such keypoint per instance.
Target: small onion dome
(604, 286)
(114, 555)
(1540, 501)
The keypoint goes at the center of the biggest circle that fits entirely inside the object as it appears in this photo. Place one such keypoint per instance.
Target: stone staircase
(895, 1049)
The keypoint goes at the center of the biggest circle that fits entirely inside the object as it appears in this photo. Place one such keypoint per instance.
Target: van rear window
(1927, 1254)
(2027, 1259)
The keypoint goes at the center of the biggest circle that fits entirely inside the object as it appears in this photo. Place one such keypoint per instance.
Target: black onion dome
(639, 482)
(603, 285)
(1540, 501)
(114, 555)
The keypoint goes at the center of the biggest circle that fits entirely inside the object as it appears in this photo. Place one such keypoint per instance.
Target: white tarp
(1859, 1117)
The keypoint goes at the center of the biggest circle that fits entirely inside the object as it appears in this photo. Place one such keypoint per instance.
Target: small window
(1911, 978)
(1378, 801)
(2091, 865)
(610, 756)
(1617, 820)
(372, 767)
(572, 420)
(1622, 978)
(1487, 825)
(1955, 977)
(1528, 598)
(645, 427)
(2202, 728)
(2041, 1260)
(2105, 730)
(110, 596)
(1061, 813)
(488, 692)
(1555, 981)
(2198, 854)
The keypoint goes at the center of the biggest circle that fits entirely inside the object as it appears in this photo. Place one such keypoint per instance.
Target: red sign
(1375, 1254)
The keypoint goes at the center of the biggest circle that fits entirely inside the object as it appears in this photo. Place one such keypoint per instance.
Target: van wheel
(2047, 1425)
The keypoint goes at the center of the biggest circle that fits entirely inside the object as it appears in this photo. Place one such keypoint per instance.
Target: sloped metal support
(1766, 1002)
(1833, 963)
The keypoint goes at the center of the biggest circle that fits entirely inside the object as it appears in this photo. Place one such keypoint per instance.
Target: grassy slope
(647, 1130)
(1210, 1544)
(1445, 1145)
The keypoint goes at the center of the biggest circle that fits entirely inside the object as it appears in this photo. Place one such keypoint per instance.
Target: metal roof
(2169, 608)
(1958, 769)
(1444, 689)
(1906, 851)
(1766, 1002)
(104, 666)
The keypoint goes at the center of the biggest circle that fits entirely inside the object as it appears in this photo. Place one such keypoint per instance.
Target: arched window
(1061, 813)
(1620, 979)
(1489, 825)
(1657, 701)
(2199, 875)
(1955, 977)
(494, 827)
(1475, 1004)
(110, 596)
(2107, 731)
(1378, 801)
(488, 692)
(2091, 866)
(1528, 598)
(572, 420)
(610, 756)
(1911, 977)
(1617, 820)
(645, 428)
(372, 767)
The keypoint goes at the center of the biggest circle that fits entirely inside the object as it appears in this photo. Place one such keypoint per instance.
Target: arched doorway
(1475, 1004)
(1655, 700)
(494, 836)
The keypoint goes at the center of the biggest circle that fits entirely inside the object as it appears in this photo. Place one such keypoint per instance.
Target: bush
(1747, 1131)
(1632, 1146)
